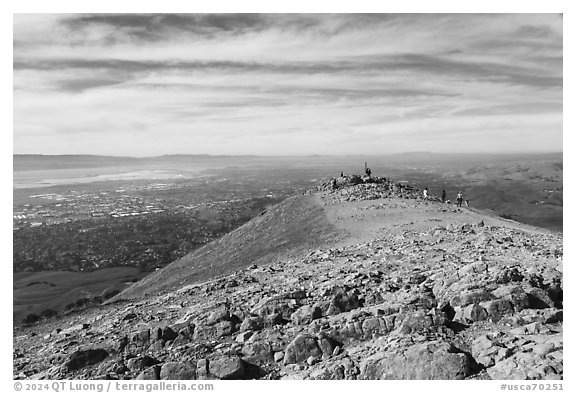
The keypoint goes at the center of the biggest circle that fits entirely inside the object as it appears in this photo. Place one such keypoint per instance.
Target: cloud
(222, 82)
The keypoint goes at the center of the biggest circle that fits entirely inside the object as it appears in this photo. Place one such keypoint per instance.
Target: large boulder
(470, 297)
(431, 360)
(515, 295)
(301, 348)
(83, 358)
(226, 367)
(252, 323)
(151, 373)
(178, 371)
(497, 309)
(258, 353)
(141, 362)
(306, 314)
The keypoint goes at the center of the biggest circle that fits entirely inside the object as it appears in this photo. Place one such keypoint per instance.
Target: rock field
(418, 290)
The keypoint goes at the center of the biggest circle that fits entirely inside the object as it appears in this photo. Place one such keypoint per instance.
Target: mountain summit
(361, 279)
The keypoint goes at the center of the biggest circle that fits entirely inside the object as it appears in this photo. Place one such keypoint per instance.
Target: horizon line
(294, 155)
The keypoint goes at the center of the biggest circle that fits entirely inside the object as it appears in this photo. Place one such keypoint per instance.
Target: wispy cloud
(150, 84)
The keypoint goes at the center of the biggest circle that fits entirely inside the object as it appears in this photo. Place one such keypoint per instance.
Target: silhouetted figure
(459, 199)
(425, 193)
(341, 174)
(333, 184)
(366, 169)
(443, 196)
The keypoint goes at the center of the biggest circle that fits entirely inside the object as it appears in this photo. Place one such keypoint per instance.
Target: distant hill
(30, 162)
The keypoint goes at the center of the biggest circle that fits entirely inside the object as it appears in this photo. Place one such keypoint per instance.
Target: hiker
(426, 193)
(443, 196)
(341, 174)
(459, 198)
(366, 169)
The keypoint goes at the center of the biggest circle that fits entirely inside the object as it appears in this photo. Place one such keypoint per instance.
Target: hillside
(290, 228)
(395, 287)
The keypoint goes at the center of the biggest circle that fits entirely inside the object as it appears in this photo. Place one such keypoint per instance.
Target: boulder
(178, 370)
(226, 367)
(375, 327)
(301, 348)
(430, 360)
(327, 346)
(225, 328)
(305, 315)
(276, 305)
(539, 298)
(151, 373)
(470, 297)
(419, 321)
(474, 313)
(497, 309)
(509, 275)
(218, 315)
(244, 336)
(343, 301)
(515, 295)
(487, 351)
(203, 333)
(252, 323)
(140, 362)
(83, 358)
(258, 353)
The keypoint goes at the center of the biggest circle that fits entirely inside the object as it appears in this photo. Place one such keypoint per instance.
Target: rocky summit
(407, 288)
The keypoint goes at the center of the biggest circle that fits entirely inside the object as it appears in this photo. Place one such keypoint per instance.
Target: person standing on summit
(459, 198)
(426, 193)
(443, 196)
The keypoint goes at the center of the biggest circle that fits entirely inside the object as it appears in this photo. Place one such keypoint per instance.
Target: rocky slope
(409, 289)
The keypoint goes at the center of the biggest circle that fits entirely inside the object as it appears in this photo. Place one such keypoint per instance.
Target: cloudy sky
(145, 85)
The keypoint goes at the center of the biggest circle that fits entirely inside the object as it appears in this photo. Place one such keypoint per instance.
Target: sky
(292, 84)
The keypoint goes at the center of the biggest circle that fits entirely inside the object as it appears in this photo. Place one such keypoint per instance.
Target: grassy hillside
(38, 292)
(288, 229)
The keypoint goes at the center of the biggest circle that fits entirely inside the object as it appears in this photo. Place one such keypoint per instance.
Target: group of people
(459, 197)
